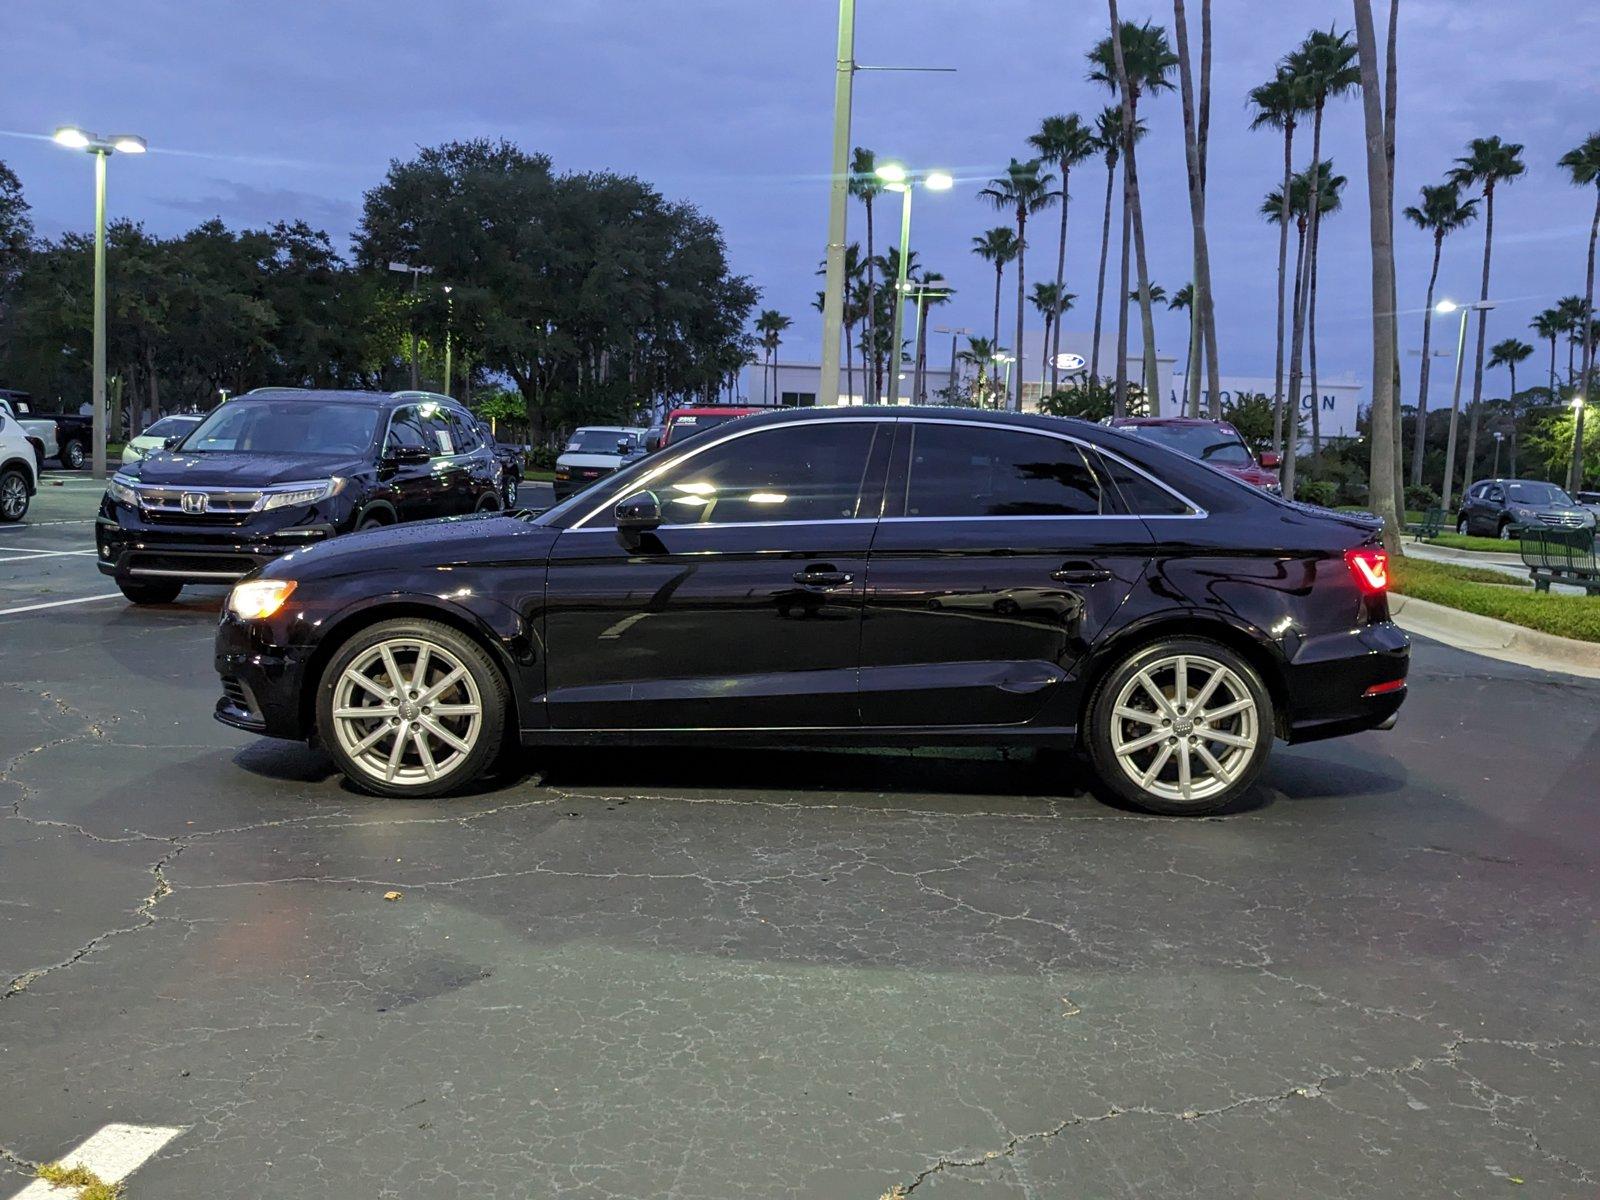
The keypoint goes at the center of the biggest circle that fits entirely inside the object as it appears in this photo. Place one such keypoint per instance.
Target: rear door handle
(1080, 573)
(822, 577)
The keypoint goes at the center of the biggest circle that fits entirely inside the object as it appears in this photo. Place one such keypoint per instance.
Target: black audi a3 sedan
(280, 468)
(858, 575)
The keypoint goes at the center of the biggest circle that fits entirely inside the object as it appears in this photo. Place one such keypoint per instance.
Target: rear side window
(972, 471)
(1141, 495)
(465, 431)
(809, 472)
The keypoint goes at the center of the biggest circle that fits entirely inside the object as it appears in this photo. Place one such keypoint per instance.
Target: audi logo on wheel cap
(193, 503)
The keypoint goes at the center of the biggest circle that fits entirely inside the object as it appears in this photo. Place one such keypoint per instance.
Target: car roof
(730, 410)
(345, 396)
(1124, 422)
(607, 429)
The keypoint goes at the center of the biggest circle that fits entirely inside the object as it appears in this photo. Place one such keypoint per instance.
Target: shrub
(1421, 497)
(1321, 492)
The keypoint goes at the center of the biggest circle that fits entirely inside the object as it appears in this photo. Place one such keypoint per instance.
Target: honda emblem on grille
(194, 503)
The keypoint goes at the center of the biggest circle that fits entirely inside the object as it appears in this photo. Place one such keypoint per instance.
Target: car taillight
(1370, 567)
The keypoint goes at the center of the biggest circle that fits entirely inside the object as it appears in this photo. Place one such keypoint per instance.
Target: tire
(1126, 768)
(14, 498)
(150, 593)
(382, 754)
(371, 521)
(489, 502)
(71, 455)
(1463, 526)
(1505, 531)
(510, 490)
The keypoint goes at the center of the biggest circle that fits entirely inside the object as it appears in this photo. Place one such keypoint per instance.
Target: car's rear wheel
(1181, 727)
(412, 708)
(163, 592)
(13, 495)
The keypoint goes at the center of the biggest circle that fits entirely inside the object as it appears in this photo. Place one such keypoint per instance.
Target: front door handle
(822, 577)
(1080, 573)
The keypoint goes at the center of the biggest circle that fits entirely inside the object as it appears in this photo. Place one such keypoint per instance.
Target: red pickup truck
(1215, 443)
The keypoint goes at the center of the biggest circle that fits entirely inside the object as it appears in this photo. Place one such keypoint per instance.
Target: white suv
(18, 477)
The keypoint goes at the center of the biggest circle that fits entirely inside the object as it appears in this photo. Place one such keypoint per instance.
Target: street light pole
(954, 333)
(415, 273)
(901, 281)
(449, 318)
(838, 205)
(102, 148)
(1498, 438)
(1446, 307)
(1575, 471)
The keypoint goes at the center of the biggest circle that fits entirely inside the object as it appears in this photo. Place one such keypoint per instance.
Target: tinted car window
(465, 433)
(1208, 443)
(811, 472)
(1141, 496)
(970, 471)
(405, 432)
(170, 427)
(684, 427)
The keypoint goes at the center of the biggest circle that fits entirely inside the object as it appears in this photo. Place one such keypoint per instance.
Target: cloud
(247, 204)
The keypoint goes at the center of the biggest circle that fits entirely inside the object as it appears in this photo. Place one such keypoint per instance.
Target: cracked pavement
(707, 975)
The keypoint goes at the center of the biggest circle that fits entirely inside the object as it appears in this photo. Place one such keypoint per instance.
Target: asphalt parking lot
(780, 974)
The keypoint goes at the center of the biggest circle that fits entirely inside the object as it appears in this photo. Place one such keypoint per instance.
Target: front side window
(284, 427)
(972, 471)
(810, 472)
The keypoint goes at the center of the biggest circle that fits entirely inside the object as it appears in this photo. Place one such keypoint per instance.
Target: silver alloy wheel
(407, 711)
(13, 497)
(1184, 727)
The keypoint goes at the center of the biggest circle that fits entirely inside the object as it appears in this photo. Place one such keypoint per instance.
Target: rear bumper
(217, 555)
(1330, 681)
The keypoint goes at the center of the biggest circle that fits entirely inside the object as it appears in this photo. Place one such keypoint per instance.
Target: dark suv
(1496, 507)
(277, 469)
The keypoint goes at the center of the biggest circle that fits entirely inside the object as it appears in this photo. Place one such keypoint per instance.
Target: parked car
(19, 469)
(1591, 501)
(510, 460)
(1496, 507)
(770, 584)
(686, 422)
(594, 452)
(281, 469)
(65, 437)
(1215, 443)
(156, 435)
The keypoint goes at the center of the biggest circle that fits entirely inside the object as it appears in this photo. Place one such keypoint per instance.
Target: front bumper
(132, 550)
(261, 680)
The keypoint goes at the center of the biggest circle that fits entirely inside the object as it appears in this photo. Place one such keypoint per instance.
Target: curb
(1495, 639)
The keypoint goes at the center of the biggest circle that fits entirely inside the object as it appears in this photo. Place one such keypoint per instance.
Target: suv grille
(201, 505)
(1564, 520)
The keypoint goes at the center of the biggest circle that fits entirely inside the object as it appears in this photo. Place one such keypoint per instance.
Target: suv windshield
(1536, 493)
(600, 441)
(170, 427)
(688, 426)
(1205, 442)
(285, 427)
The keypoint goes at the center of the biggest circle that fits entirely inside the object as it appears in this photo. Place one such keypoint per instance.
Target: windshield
(285, 427)
(170, 427)
(683, 427)
(1208, 443)
(602, 441)
(1536, 493)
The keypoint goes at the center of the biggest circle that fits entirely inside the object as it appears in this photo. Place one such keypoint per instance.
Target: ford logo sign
(1070, 362)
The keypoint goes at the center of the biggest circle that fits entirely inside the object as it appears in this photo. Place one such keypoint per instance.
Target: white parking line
(6, 612)
(75, 521)
(113, 1153)
(25, 555)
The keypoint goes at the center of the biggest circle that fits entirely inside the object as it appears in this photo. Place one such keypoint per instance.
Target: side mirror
(171, 443)
(639, 513)
(407, 456)
(1271, 460)
(624, 447)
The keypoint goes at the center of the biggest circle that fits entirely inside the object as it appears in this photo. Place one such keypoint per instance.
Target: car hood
(177, 469)
(419, 545)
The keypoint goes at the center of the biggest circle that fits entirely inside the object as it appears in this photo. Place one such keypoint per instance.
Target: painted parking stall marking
(22, 608)
(113, 1153)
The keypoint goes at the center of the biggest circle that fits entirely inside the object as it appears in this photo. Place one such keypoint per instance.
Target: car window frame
(884, 425)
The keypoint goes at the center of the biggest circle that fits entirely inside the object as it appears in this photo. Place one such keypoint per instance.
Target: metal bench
(1560, 556)
(1429, 527)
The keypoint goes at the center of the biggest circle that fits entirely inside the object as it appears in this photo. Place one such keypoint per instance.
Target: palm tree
(1549, 324)
(1135, 60)
(1051, 300)
(1487, 163)
(1441, 213)
(1583, 167)
(1063, 142)
(1279, 104)
(770, 325)
(932, 291)
(1571, 311)
(979, 355)
(864, 182)
(1183, 301)
(1196, 119)
(1508, 354)
(1324, 65)
(1108, 140)
(1381, 479)
(1023, 190)
(855, 306)
(997, 246)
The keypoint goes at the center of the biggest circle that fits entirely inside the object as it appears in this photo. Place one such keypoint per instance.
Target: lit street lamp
(449, 317)
(954, 333)
(1002, 357)
(1498, 438)
(1445, 308)
(896, 178)
(102, 148)
(1575, 472)
(406, 269)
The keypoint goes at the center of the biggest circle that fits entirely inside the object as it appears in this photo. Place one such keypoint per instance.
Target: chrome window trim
(1196, 511)
(735, 524)
(713, 443)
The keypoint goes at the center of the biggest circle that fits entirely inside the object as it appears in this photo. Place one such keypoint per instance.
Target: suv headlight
(122, 491)
(302, 493)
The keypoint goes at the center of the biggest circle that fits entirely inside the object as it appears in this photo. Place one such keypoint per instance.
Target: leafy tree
(16, 229)
(1508, 354)
(1582, 164)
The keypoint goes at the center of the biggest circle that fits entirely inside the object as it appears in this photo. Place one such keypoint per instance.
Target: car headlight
(122, 491)
(305, 493)
(259, 598)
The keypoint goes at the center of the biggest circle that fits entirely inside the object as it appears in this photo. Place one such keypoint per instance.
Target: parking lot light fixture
(74, 138)
(897, 178)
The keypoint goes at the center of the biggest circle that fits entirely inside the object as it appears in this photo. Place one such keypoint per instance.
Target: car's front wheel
(1463, 526)
(1181, 727)
(72, 456)
(412, 708)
